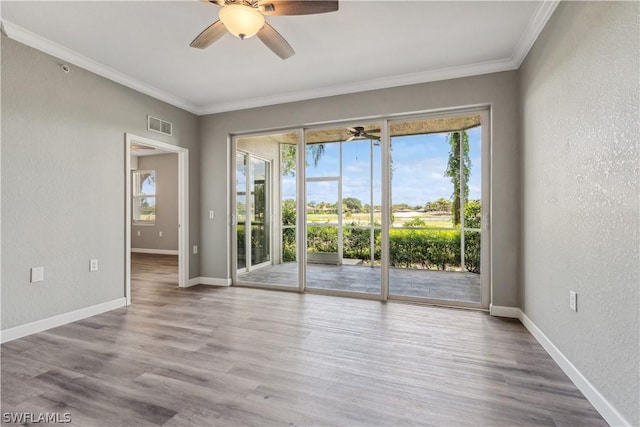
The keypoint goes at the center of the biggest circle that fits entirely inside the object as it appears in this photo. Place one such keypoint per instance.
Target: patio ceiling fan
(358, 132)
(246, 18)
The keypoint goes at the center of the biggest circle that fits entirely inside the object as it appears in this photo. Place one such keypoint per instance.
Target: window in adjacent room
(144, 197)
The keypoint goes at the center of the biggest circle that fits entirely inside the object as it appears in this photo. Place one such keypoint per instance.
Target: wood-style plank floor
(218, 356)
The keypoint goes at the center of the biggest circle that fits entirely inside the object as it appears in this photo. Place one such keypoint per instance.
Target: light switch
(160, 233)
(212, 214)
(37, 274)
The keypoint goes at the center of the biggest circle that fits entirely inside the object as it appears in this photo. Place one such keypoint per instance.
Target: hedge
(429, 249)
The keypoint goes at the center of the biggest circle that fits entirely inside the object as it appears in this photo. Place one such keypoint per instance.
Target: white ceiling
(365, 45)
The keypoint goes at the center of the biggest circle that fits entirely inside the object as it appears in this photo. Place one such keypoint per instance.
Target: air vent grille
(160, 126)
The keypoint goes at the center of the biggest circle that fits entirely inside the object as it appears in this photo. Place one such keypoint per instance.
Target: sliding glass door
(343, 198)
(253, 219)
(435, 209)
(394, 209)
(265, 210)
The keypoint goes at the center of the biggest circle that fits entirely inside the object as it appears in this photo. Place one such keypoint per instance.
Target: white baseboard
(503, 311)
(59, 320)
(602, 405)
(213, 281)
(155, 251)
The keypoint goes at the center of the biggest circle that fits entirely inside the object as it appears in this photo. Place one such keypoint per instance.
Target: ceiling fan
(245, 18)
(358, 132)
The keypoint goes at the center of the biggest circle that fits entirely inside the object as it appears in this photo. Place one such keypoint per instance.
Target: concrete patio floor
(438, 285)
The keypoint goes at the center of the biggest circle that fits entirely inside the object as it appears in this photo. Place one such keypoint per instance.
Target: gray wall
(63, 177)
(166, 167)
(579, 102)
(499, 90)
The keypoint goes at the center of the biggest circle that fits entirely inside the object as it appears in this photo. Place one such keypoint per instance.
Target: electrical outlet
(37, 274)
(573, 300)
(138, 233)
(160, 233)
(93, 265)
(195, 249)
(212, 214)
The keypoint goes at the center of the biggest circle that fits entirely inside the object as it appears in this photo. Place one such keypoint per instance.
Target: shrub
(408, 248)
(322, 239)
(415, 222)
(289, 245)
(424, 248)
(472, 251)
(357, 243)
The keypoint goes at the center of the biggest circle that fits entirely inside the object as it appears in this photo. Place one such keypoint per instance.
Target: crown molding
(361, 86)
(526, 41)
(534, 28)
(40, 43)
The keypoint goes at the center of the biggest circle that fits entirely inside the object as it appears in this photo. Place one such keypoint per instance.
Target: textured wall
(580, 126)
(63, 175)
(499, 90)
(166, 167)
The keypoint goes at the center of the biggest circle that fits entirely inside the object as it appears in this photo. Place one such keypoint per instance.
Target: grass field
(431, 219)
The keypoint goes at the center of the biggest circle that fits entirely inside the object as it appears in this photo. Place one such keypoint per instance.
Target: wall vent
(160, 126)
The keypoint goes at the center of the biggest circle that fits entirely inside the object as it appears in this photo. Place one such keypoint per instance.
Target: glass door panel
(288, 200)
(260, 218)
(343, 209)
(265, 204)
(241, 210)
(435, 187)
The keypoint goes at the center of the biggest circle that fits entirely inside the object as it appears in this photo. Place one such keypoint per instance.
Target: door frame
(183, 207)
(269, 209)
(482, 109)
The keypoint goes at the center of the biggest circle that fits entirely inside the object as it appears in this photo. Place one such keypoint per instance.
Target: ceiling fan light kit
(242, 21)
(245, 18)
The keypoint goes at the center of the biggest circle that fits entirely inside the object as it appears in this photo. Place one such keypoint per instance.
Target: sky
(419, 163)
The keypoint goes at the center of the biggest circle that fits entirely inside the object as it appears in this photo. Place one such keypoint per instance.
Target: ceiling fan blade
(297, 7)
(351, 138)
(210, 34)
(216, 2)
(369, 136)
(274, 41)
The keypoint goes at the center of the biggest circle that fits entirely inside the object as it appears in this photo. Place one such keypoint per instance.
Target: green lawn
(431, 219)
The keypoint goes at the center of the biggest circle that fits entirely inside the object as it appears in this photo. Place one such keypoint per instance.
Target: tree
(288, 160)
(288, 157)
(289, 212)
(352, 204)
(453, 170)
(472, 214)
(440, 205)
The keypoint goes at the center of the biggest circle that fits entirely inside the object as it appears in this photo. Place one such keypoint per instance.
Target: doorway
(396, 208)
(343, 210)
(264, 240)
(253, 212)
(183, 204)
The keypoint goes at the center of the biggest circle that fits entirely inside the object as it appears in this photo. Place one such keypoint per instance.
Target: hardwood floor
(209, 356)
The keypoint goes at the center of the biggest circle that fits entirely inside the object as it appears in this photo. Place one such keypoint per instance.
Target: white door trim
(183, 208)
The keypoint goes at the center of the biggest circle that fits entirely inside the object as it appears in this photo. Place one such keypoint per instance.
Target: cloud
(419, 164)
